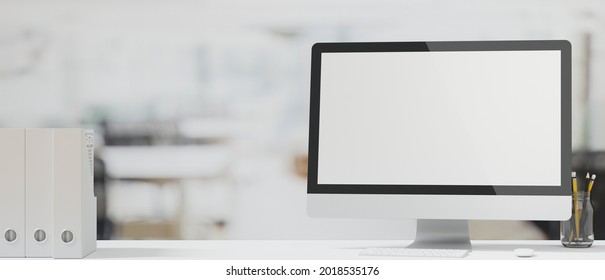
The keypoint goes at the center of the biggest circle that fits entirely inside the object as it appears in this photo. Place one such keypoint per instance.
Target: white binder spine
(39, 192)
(74, 200)
(12, 192)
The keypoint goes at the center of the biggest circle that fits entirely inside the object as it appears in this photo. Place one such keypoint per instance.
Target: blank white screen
(440, 118)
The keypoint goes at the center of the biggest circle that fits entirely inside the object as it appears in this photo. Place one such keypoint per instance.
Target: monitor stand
(442, 234)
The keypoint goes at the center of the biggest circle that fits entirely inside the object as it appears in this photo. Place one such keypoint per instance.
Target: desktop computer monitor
(442, 132)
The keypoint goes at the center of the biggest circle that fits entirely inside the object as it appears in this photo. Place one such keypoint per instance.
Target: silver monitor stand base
(442, 234)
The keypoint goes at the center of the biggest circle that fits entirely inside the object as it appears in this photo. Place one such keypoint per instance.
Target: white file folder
(75, 220)
(39, 192)
(12, 192)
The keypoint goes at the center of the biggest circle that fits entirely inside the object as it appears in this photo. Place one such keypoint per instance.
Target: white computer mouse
(524, 252)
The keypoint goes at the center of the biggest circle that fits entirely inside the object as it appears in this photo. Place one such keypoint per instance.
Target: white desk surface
(320, 249)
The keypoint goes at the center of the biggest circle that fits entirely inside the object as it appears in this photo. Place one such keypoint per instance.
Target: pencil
(574, 185)
(580, 208)
(594, 176)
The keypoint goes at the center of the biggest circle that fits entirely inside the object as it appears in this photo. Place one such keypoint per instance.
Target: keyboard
(409, 252)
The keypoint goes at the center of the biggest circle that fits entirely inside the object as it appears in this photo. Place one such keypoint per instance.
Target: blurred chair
(104, 224)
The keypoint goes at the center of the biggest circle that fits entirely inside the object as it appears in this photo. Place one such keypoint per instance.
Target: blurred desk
(163, 166)
(211, 129)
(165, 162)
(320, 249)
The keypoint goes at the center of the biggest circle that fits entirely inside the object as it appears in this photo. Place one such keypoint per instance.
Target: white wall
(122, 52)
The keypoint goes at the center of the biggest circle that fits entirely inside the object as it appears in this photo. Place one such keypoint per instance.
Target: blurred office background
(201, 106)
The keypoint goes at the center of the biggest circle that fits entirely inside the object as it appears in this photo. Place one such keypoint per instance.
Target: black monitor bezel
(559, 45)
